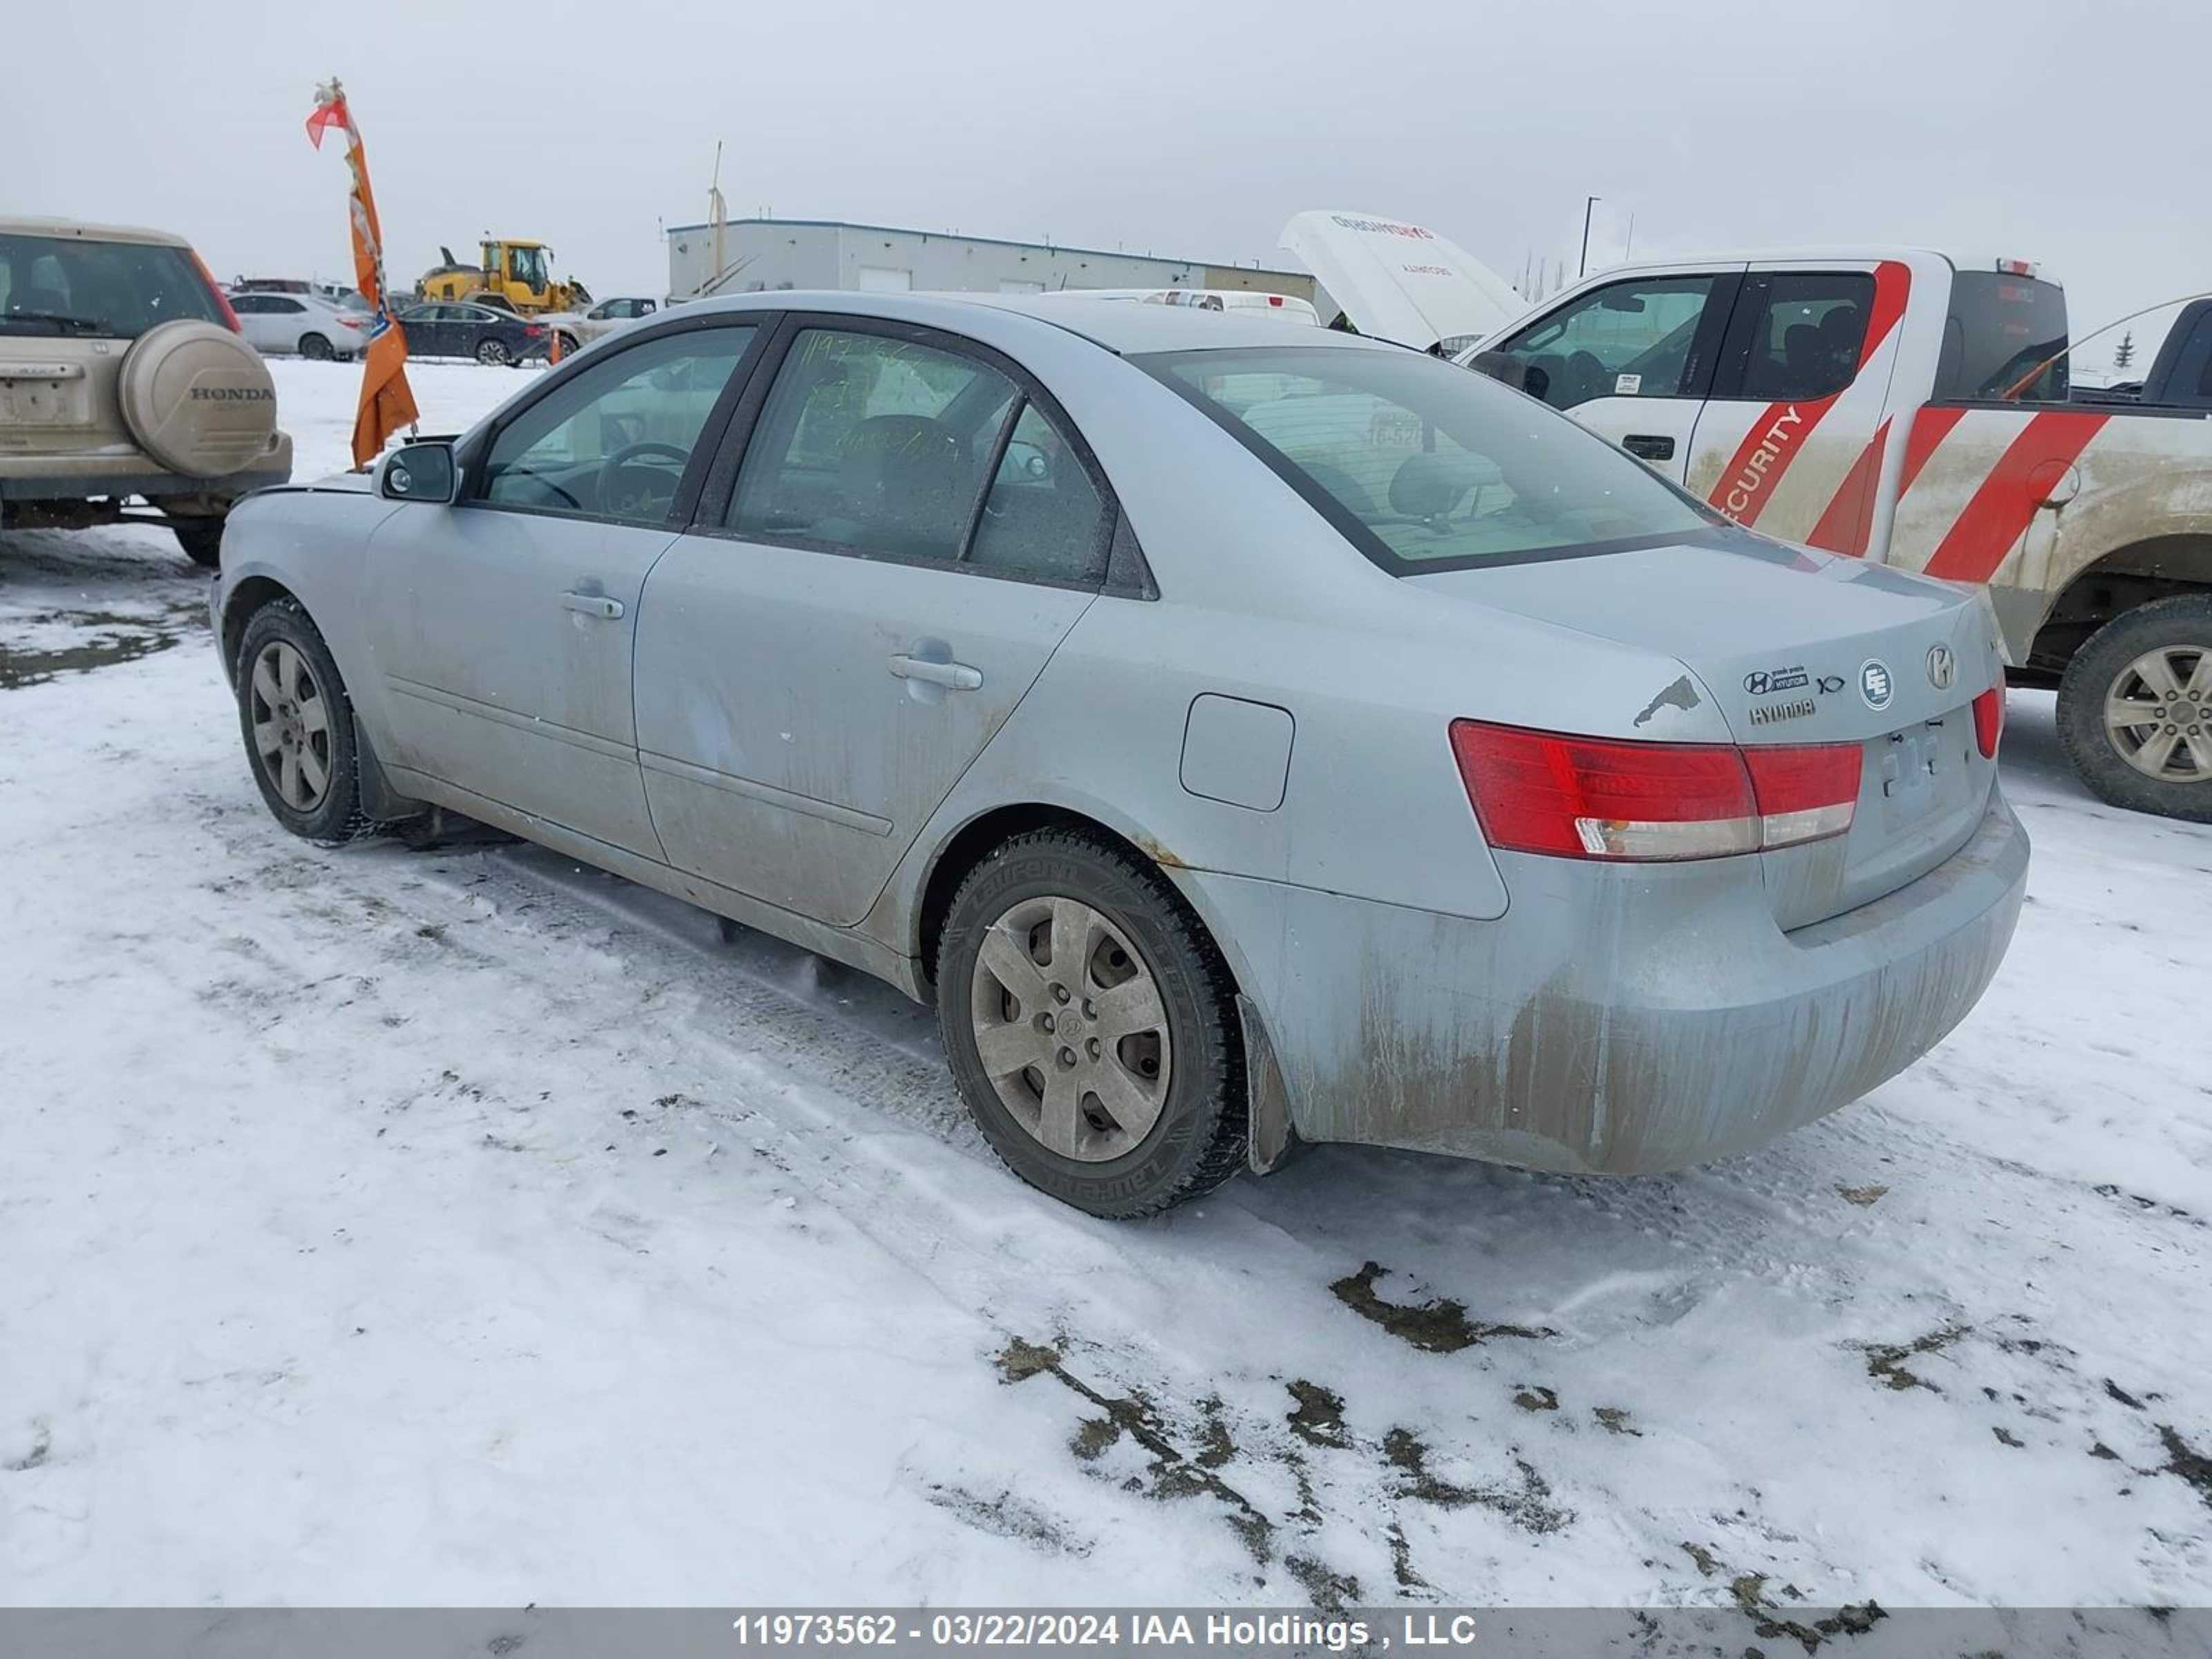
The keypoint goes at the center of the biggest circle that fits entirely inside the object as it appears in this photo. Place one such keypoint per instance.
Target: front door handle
(1649, 446)
(953, 676)
(593, 605)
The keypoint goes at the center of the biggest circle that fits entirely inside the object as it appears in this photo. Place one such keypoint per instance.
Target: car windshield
(1426, 466)
(70, 285)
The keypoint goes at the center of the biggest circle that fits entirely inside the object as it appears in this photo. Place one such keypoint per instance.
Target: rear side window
(1797, 333)
(873, 443)
(1426, 466)
(1629, 339)
(116, 290)
(2000, 329)
(1043, 517)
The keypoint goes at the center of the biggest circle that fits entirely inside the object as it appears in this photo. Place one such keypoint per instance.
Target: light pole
(1581, 266)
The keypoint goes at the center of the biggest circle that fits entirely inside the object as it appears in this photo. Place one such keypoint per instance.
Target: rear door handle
(953, 676)
(593, 605)
(1649, 446)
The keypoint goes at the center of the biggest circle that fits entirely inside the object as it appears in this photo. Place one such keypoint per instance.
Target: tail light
(1600, 798)
(1988, 719)
(532, 330)
(214, 293)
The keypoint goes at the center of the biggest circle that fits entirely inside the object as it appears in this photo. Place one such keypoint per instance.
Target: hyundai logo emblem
(1874, 683)
(1942, 667)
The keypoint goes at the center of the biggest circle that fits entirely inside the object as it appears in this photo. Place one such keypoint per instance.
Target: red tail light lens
(1988, 719)
(532, 330)
(1804, 795)
(215, 292)
(1598, 797)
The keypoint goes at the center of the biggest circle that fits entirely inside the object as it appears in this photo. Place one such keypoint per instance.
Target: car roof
(89, 231)
(1124, 329)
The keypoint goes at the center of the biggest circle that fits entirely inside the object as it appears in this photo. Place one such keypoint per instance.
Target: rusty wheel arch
(2157, 568)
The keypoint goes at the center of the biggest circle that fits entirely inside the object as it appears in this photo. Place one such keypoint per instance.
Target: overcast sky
(2070, 131)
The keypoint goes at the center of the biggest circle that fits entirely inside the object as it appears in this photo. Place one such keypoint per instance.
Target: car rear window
(70, 285)
(2000, 328)
(1427, 466)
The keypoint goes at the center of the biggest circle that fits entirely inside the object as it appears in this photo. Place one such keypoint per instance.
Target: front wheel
(2135, 709)
(298, 726)
(1090, 1025)
(493, 353)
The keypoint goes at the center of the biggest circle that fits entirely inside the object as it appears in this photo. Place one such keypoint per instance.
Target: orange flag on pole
(386, 403)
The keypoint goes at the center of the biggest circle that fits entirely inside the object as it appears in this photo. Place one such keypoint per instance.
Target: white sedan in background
(306, 325)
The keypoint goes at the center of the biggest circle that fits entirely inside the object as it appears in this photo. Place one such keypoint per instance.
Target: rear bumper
(1618, 1019)
(82, 478)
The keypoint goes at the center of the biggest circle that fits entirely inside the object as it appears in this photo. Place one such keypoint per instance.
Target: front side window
(614, 442)
(1627, 339)
(873, 443)
(1423, 465)
(60, 285)
(1803, 338)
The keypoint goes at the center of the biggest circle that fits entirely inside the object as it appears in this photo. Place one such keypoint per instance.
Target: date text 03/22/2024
(1019, 1629)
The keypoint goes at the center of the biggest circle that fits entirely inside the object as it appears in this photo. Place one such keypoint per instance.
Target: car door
(914, 529)
(421, 326)
(247, 309)
(286, 321)
(1791, 439)
(504, 624)
(1631, 360)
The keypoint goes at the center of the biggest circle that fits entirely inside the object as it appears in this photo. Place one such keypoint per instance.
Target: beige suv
(126, 392)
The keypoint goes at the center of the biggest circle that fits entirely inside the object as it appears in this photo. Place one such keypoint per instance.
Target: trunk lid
(1795, 646)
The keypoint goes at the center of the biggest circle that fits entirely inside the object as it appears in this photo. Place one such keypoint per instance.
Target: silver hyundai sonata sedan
(1245, 734)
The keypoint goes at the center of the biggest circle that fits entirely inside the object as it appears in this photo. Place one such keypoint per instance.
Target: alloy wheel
(1070, 1028)
(291, 727)
(2158, 713)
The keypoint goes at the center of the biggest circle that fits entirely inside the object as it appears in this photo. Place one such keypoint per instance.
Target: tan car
(127, 393)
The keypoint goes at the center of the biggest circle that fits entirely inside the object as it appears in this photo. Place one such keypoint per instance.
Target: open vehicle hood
(1401, 281)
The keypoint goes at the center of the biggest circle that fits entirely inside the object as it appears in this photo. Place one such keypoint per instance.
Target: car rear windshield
(1424, 466)
(117, 290)
(2001, 328)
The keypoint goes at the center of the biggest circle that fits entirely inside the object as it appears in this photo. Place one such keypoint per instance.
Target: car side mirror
(420, 472)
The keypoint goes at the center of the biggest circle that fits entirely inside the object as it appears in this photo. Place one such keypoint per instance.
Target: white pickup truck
(1887, 404)
(1899, 405)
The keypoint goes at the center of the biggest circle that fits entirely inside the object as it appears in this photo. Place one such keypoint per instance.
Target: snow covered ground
(465, 1226)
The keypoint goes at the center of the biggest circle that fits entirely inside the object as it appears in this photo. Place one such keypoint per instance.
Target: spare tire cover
(198, 399)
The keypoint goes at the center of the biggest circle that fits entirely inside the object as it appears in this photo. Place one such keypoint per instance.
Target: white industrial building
(767, 254)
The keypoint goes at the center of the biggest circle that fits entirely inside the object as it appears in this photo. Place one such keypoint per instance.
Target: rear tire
(1167, 1046)
(492, 354)
(297, 722)
(202, 540)
(2157, 657)
(315, 348)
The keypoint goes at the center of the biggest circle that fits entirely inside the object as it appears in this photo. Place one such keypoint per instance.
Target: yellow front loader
(517, 272)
